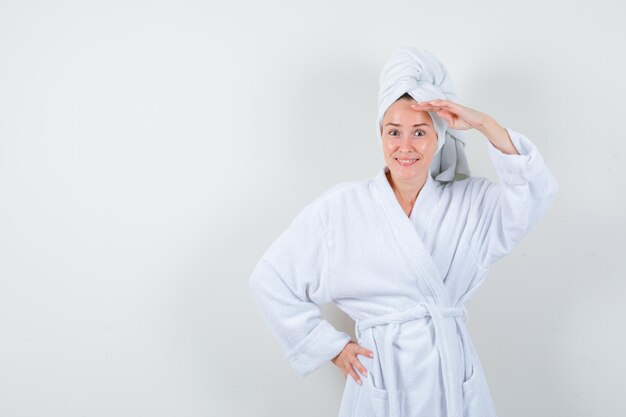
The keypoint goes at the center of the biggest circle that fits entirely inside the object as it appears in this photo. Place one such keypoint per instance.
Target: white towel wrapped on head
(419, 73)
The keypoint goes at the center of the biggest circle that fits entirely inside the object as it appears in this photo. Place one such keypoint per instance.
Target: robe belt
(444, 340)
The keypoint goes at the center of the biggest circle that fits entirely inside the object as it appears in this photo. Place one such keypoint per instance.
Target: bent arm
(502, 214)
(288, 284)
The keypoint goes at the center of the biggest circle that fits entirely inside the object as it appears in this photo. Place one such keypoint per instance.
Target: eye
(421, 131)
(391, 132)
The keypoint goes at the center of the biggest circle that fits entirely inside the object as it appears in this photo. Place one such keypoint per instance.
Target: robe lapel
(424, 202)
(429, 279)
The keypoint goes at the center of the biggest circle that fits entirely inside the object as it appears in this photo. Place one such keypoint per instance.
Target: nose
(406, 143)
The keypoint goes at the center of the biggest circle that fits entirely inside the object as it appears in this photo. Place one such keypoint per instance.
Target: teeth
(407, 160)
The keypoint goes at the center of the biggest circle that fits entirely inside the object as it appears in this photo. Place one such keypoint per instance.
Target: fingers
(444, 108)
(355, 362)
(434, 105)
(365, 352)
(423, 106)
(438, 103)
(354, 375)
(446, 115)
(455, 115)
(349, 363)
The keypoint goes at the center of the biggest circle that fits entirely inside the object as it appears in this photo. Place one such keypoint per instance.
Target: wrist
(498, 136)
(489, 127)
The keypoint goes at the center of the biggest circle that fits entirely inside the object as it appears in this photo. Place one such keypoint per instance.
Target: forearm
(498, 136)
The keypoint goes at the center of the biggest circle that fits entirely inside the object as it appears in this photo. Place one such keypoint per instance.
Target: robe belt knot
(445, 341)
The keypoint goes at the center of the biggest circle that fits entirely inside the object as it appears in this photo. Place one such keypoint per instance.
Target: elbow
(262, 282)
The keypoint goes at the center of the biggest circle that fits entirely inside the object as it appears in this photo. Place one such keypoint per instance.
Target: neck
(406, 190)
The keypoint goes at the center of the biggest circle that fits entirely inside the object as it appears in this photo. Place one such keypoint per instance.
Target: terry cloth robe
(404, 280)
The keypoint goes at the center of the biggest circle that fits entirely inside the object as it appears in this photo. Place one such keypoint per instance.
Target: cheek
(427, 146)
(434, 143)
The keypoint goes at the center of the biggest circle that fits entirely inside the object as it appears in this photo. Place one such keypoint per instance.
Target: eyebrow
(395, 124)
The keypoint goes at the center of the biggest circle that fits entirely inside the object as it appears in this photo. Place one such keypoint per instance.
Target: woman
(401, 253)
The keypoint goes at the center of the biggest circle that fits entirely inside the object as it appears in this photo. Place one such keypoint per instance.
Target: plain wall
(150, 151)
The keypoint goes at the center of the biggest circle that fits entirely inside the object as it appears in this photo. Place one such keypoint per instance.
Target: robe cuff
(322, 344)
(512, 168)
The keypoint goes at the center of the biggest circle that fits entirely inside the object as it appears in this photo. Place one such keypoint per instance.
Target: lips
(405, 162)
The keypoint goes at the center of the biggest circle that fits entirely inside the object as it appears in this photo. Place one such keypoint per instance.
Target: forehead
(401, 112)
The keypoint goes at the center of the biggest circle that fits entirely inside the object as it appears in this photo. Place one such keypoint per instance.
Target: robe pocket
(380, 400)
(470, 383)
(472, 403)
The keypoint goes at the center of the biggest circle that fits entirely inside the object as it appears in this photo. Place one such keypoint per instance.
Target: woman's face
(409, 141)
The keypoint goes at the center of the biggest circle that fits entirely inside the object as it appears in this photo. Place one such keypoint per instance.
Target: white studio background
(150, 151)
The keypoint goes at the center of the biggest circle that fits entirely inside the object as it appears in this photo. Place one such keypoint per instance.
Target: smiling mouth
(406, 162)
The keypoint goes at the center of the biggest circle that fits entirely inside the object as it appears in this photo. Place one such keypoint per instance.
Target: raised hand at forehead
(457, 116)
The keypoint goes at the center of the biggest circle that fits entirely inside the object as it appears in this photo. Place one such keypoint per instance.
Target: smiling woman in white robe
(401, 253)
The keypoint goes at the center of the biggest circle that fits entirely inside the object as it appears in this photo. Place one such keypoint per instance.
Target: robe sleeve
(288, 284)
(502, 214)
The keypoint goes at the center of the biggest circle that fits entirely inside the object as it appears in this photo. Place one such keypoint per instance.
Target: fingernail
(359, 381)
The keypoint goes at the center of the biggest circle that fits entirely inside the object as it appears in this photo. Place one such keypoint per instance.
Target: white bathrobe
(403, 279)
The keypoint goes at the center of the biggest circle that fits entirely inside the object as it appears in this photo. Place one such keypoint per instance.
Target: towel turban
(424, 77)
